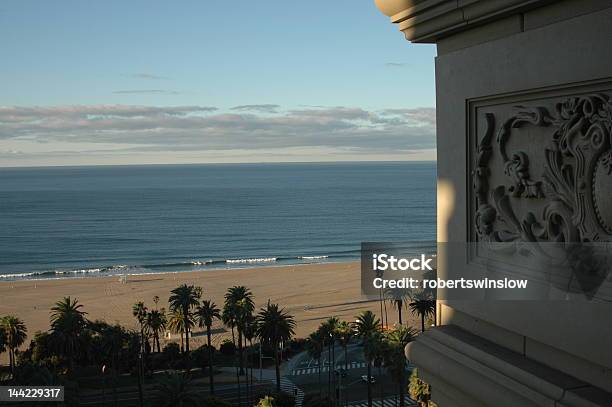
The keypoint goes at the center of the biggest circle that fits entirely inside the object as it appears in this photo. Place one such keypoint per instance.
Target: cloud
(418, 115)
(25, 116)
(148, 76)
(263, 108)
(395, 65)
(182, 130)
(147, 92)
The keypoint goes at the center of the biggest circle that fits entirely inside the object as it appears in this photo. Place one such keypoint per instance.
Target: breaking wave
(191, 265)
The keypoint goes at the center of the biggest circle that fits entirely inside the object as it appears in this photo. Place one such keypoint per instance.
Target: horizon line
(215, 163)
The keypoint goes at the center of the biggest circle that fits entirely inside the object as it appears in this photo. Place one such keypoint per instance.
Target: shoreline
(310, 292)
(232, 264)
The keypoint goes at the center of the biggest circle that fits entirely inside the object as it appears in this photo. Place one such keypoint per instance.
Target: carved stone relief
(542, 176)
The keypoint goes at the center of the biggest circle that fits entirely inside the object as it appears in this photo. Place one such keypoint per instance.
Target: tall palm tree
(67, 324)
(139, 311)
(176, 324)
(424, 306)
(185, 297)
(344, 334)
(154, 324)
(275, 326)
(15, 333)
(113, 339)
(328, 329)
(396, 358)
(397, 297)
(314, 348)
(366, 325)
(239, 300)
(376, 350)
(205, 315)
(249, 335)
(228, 316)
(244, 315)
(381, 299)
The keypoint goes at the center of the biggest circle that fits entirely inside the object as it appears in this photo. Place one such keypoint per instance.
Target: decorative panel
(540, 176)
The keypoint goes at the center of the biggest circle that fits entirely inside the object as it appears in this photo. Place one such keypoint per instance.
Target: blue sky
(313, 81)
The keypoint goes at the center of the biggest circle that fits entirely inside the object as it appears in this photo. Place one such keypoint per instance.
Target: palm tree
(240, 305)
(185, 297)
(139, 311)
(365, 327)
(113, 338)
(176, 324)
(381, 299)
(344, 333)
(314, 348)
(397, 297)
(275, 326)
(396, 358)
(15, 333)
(424, 306)
(155, 323)
(177, 390)
(246, 322)
(67, 324)
(376, 350)
(249, 335)
(2, 338)
(328, 329)
(205, 315)
(228, 316)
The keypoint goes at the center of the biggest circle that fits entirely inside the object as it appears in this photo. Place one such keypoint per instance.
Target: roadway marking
(388, 402)
(313, 370)
(287, 386)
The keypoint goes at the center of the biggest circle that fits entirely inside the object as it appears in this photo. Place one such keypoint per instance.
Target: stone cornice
(450, 358)
(429, 20)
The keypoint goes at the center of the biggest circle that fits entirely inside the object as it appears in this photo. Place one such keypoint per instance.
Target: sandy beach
(309, 292)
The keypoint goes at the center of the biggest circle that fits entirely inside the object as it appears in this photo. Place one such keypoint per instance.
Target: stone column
(524, 123)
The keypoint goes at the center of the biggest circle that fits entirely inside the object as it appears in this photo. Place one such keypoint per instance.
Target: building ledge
(428, 21)
(473, 371)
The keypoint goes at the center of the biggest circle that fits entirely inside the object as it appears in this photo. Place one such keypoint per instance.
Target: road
(301, 371)
(128, 398)
(352, 389)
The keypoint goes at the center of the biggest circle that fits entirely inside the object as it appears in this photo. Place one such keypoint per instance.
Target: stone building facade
(524, 140)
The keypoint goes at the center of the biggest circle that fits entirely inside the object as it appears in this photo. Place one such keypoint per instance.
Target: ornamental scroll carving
(542, 176)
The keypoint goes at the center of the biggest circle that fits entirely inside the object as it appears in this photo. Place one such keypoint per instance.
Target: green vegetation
(14, 333)
(97, 355)
(420, 391)
(367, 326)
(275, 326)
(205, 315)
(383, 349)
(183, 299)
(424, 306)
(177, 390)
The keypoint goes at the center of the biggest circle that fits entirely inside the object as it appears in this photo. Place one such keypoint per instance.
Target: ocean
(68, 222)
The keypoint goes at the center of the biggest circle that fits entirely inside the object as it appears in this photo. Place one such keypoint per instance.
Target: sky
(158, 82)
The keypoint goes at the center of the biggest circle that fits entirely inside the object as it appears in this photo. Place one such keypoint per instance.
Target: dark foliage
(227, 348)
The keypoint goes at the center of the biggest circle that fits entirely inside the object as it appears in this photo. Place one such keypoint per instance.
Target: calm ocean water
(85, 221)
